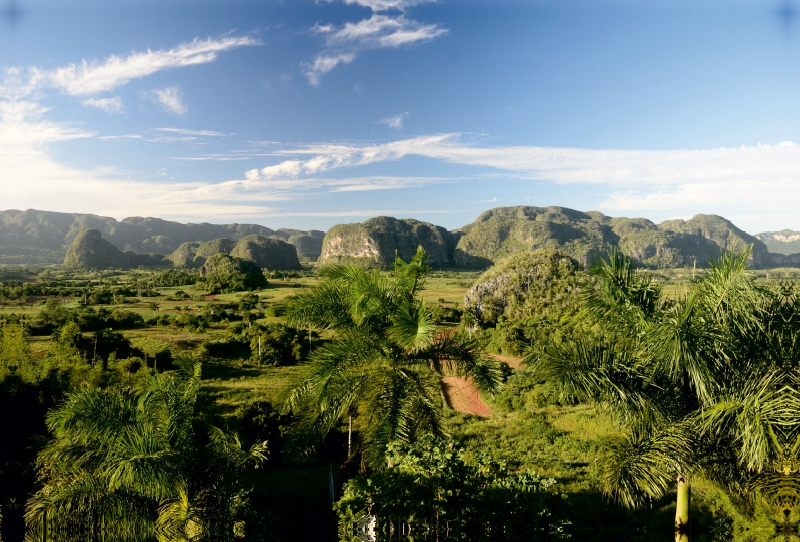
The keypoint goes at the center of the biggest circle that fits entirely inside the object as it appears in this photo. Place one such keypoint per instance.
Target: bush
(430, 487)
(174, 277)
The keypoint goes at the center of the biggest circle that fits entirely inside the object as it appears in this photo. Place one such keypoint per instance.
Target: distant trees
(223, 273)
(385, 360)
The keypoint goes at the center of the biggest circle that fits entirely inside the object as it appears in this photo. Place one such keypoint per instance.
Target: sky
(307, 114)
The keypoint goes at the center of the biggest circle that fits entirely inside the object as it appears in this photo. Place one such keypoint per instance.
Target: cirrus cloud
(95, 77)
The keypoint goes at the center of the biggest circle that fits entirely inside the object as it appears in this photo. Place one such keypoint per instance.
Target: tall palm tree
(385, 359)
(662, 368)
(128, 465)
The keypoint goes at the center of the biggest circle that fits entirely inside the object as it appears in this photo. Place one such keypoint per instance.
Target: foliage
(133, 464)
(173, 277)
(430, 487)
(703, 385)
(524, 300)
(264, 344)
(385, 359)
(223, 273)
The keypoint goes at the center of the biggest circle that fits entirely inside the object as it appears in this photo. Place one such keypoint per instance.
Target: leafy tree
(131, 465)
(386, 358)
(693, 382)
(431, 487)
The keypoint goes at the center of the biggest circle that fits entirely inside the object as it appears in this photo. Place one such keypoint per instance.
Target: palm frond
(646, 464)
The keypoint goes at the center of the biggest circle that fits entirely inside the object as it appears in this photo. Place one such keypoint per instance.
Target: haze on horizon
(307, 114)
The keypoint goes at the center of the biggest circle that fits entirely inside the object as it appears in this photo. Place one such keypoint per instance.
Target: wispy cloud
(123, 136)
(323, 64)
(109, 105)
(171, 99)
(387, 5)
(95, 77)
(208, 133)
(345, 43)
(396, 121)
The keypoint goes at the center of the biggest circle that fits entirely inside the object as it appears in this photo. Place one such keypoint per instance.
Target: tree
(129, 465)
(667, 371)
(385, 360)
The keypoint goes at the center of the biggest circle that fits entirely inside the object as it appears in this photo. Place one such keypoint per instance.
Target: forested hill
(32, 236)
(503, 231)
(781, 242)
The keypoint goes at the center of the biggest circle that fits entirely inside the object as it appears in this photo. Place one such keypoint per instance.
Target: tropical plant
(431, 488)
(693, 382)
(385, 360)
(131, 465)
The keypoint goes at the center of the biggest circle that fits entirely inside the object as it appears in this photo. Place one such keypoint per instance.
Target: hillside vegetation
(584, 236)
(39, 237)
(781, 242)
(42, 237)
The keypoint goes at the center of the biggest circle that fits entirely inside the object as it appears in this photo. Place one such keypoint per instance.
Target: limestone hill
(375, 242)
(90, 251)
(33, 236)
(501, 232)
(267, 253)
(781, 242)
(675, 243)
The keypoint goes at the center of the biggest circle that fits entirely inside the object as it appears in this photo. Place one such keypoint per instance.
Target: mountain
(376, 241)
(32, 236)
(90, 251)
(504, 231)
(267, 253)
(781, 242)
(42, 237)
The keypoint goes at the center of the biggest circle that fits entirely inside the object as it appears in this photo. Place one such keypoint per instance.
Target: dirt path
(514, 363)
(463, 396)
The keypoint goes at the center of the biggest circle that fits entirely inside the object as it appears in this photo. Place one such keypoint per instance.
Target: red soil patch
(462, 395)
(514, 363)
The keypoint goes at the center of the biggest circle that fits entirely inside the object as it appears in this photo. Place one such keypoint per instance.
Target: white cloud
(381, 31)
(109, 105)
(124, 136)
(387, 5)
(395, 121)
(627, 169)
(323, 64)
(209, 133)
(378, 32)
(171, 98)
(94, 77)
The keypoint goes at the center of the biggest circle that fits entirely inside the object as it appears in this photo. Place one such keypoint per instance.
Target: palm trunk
(682, 510)
(349, 437)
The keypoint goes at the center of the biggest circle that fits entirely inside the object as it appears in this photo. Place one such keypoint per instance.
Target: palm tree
(661, 368)
(127, 465)
(386, 358)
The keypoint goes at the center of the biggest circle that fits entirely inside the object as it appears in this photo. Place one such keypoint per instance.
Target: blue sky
(307, 114)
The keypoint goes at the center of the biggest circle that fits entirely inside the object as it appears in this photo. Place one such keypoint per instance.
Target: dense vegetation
(42, 237)
(246, 411)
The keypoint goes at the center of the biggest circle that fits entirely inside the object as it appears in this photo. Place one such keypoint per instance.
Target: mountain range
(43, 237)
